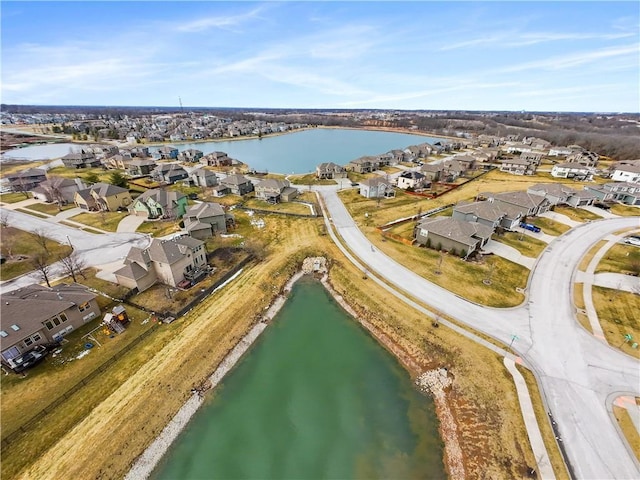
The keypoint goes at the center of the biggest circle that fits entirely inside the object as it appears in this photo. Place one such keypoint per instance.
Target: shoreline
(144, 465)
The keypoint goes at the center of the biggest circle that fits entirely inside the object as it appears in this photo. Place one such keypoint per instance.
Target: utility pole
(181, 107)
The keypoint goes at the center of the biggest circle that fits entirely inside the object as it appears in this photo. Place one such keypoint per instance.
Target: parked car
(530, 227)
(632, 241)
(601, 205)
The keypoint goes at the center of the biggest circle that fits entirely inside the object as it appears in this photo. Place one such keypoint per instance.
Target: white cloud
(222, 21)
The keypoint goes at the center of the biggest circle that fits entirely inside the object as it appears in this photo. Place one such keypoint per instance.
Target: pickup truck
(530, 227)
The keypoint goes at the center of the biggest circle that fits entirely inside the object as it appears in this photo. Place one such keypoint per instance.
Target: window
(63, 317)
(15, 327)
(49, 325)
(36, 337)
(84, 306)
(28, 342)
(3, 334)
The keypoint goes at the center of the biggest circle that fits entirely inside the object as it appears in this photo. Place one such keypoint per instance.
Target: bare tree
(41, 239)
(4, 218)
(39, 263)
(74, 265)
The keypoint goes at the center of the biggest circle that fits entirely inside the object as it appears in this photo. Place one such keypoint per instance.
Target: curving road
(578, 374)
(94, 249)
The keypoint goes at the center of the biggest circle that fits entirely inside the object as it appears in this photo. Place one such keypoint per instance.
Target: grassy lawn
(19, 246)
(227, 200)
(31, 212)
(621, 258)
(577, 214)
(548, 226)
(49, 208)
(525, 244)
(158, 228)
(107, 221)
(286, 207)
(628, 428)
(311, 179)
(13, 197)
(618, 315)
(625, 210)
(586, 260)
(16, 166)
(83, 173)
(461, 277)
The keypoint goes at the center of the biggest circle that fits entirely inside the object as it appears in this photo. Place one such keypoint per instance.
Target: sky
(533, 56)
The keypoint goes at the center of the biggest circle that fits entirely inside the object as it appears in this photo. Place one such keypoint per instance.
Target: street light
(69, 241)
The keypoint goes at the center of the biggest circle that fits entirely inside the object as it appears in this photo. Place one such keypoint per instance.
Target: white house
(626, 173)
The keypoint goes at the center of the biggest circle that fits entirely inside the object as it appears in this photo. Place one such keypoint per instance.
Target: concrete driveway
(560, 218)
(130, 223)
(510, 253)
(577, 373)
(602, 212)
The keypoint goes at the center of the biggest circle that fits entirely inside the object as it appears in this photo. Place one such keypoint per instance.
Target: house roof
(374, 181)
(133, 270)
(412, 175)
(161, 196)
(192, 226)
(460, 231)
(171, 251)
(631, 168)
(330, 166)
(521, 199)
(235, 179)
(203, 172)
(555, 189)
(204, 209)
(104, 190)
(571, 165)
(30, 306)
(28, 173)
(272, 184)
(485, 210)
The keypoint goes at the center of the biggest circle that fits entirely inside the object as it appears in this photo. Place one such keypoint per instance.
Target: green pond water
(315, 397)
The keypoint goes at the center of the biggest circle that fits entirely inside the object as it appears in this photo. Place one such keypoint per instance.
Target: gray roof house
(455, 236)
(164, 261)
(275, 191)
(237, 184)
(58, 189)
(35, 315)
(169, 173)
(485, 213)
(26, 180)
(527, 203)
(411, 179)
(575, 171)
(517, 166)
(330, 170)
(80, 160)
(140, 166)
(203, 220)
(626, 173)
(377, 187)
(201, 177)
(624, 192)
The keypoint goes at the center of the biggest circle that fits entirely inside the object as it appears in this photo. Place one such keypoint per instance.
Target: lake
(298, 152)
(315, 397)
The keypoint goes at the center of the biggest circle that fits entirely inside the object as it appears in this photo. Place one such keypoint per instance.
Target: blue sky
(564, 56)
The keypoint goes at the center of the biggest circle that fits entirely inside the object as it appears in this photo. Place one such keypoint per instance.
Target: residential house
(629, 173)
(584, 157)
(330, 170)
(377, 187)
(166, 153)
(190, 155)
(623, 192)
(81, 159)
(139, 167)
(527, 203)
(560, 151)
(555, 193)
(237, 184)
(35, 315)
(467, 161)
(431, 171)
(484, 213)
(220, 190)
(216, 159)
(139, 152)
(537, 143)
(532, 157)
(203, 220)
(365, 164)
(102, 197)
(455, 236)
(451, 170)
(517, 166)
(165, 261)
(275, 191)
(160, 203)
(412, 180)
(117, 161)
(26, 180)
(397, 156)
(575, 171)
(201, 177)
(58, 189)
(169, 173)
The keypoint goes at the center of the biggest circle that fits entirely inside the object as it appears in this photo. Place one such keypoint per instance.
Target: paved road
(577, 373)
(94, 249)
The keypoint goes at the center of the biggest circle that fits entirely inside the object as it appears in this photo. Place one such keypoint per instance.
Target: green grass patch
(13, 197)
(159, 228)
(548, 226)
(625, 210)
(311, 179)
(621, 258)
(618, 314)
(82, 173)
(525, 244)
(19, 247)
(49, 208)
(107, 221)
(577, 214)
(31, 212)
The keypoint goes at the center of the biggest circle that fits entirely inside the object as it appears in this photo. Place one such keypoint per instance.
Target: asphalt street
(578, 375)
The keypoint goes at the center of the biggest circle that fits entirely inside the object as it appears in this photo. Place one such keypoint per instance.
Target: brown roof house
(275, 191)
(201, 177)
(203, 220)
(165, 261)
(217, 159)
(102, 197)
(36, 315)
(26, 180)
(81, 160)
(455, 236)
(58, 189)
(237, 184)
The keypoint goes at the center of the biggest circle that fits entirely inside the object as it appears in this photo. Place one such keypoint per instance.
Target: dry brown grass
(625, 210)
(618, 314)
(548, 226)
(525, 244)
(145, 389)
(586, 260)
(578, 301)
(628, 429)
(621, 258)
(577, 214)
